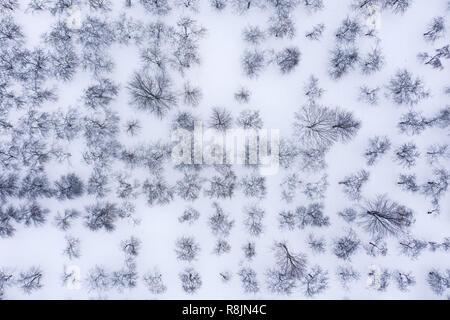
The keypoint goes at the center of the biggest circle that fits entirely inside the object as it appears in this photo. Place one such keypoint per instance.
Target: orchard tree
(30, 280)
(158, 191)
(253, 35)
(369, 95)
(64, 220)
(190, 280)
(435, 29)
(404, 280)
(412, 247)
(315, 281)
(253, 220)
(404, 89)
(407, 154)
(347, 274)
(102, 215)
(190, 215)
(346, 246)
(320, 127)
(72, 249)
(348, 31)
(220, 222)
(69, 186)
(157, 7)
(316, 32)
(187, 249)
(353, 184)
(378, 146)
(288, 59)
(248, 280)
(253, 63)
(373, 62)
(154, 282)
(342, 61)
(152, 93)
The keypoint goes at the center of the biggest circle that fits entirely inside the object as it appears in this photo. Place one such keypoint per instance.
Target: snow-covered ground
(278, 96)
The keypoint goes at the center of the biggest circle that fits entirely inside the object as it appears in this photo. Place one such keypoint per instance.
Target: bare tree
(64, 221)
(438, 281)
(220, 222)
(158, 7)
(353, 184)
(313, 5)
(222, 246)
(435, 60)
(190, 215)
(249, 250)
(403, 89)
(154, 282)
(413, 123)
(316, 244)
(152, 93)
(253, 62)
(249, 119)
(30, 280)
(69, 186)
(407, 154)
(397, 6)
(254, 186)
(407, 182)
(187, 249)
(248, 280)
(242, 95)
(373, 62)
(315, 281)
(253, 35)
(223, 185)
(102, 215)
(316, 32)
(98, 279)
(6, 280)
(348, 31)
(131, 246)
(435, 29)
(190, 280)
(253, 221)
(320, 127)
(376, 247)
(437, 152)
(346, 246)
(281, 25)
(158, 191)
(101, 94)
(189, 187)
(125, 278)
(192, 95)
(219, 5)
(72, 249)
(312, 215)
(404, 280)
(369, 95)
(288, 59)
(347, 274)
(290, 264)
(348, 214)
(382, 217)
(436, 187)
(378, 146)
(342, 61)
(220, 119)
